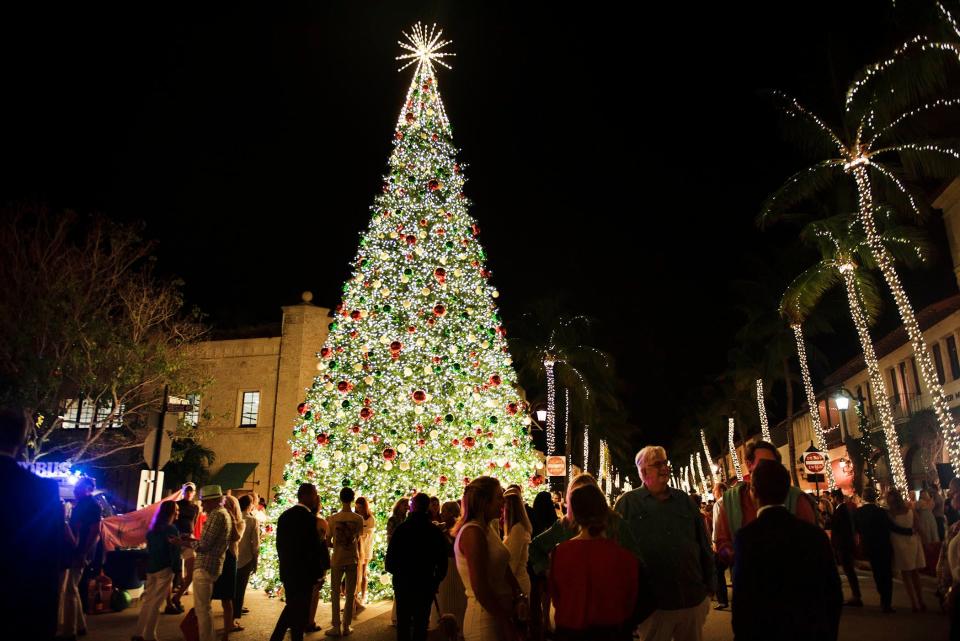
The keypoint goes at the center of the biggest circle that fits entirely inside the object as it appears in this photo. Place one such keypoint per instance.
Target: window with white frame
(249, 409)
(82, 413)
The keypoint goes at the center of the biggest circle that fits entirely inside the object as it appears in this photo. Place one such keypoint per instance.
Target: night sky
(615, 159)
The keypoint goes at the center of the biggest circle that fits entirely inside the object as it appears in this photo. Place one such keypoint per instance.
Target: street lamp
(541, 415)
(842, 399)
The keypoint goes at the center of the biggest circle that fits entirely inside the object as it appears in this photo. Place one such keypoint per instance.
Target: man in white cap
(211, 551)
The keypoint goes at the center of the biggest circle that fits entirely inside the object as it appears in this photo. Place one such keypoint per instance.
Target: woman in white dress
(518, 533)
(483, 563)
(907, 550)
(362, 507)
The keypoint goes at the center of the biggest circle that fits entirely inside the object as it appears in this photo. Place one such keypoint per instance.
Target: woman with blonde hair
(225, 587)
(362, 507)
(483, 563)
(907, 550)
(518, 531)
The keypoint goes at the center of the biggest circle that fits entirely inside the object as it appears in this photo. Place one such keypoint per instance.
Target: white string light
(566, 431)
(586, 448)
(548, 364)
(703, 477)
(819, 439)
(762, 409)
(733, 450)
(882, 401)
(706, 452)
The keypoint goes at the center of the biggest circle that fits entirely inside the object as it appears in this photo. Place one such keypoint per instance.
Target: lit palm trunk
(819, 440)
(879, 392)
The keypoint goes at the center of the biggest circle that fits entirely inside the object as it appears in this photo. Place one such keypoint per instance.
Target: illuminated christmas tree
(416, 391)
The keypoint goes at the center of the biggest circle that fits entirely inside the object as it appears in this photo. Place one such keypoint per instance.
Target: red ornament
(323, 439)
(433, 185)
(344, 386)
(268, 528)
(495, 380)
(367, 402)
(411, 239)
(303, 408)
(469, 442)
(389, 453)
(516, 442)
(506, 465)
(398, 135)
(491, 465)
(412, 329)
(479, 431)
(419, 428)
(355, 429)
(439, 311)
(410, 117)
(490, 434)
(375, 438)
(419, 396)
(420, 442)
(395, 347)
(366, 413)
(440, 274)
(355, 314)
(536, 480)
(502, 330)
(326, 352)
(436, 360)
(455, 442)
(434, 137)
(475, 229)
(512, 408)
(466, 481)
(443, 479)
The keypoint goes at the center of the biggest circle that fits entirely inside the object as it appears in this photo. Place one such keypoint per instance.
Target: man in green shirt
(669, 532)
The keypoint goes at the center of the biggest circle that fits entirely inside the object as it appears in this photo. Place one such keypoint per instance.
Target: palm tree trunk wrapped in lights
(733, 450)
(819, 440)
(706, 452)
(704, 481)
(551, 407)
(882, 402)
(762, 410)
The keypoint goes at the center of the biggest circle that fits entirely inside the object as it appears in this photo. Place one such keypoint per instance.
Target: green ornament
(325, 404)
(460, 406)
(308, 415)
(308, 457)
(449, 244)
(408, 272)
(393, 432)
(345, 404)
(492, 420)
(332, 326)
(387, 308)
(334, 365)
(457, 367)
(448, 418)
(489, 446)
(437, 369)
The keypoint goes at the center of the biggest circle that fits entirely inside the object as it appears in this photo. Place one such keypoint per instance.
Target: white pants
(337, 575)
(202, 591)
(154, 594)
(72, 619)
(676, 625)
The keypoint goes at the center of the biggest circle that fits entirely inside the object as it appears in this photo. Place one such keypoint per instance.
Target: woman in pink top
(593, 580)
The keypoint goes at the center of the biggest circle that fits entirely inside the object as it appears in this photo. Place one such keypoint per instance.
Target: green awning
(232, 476)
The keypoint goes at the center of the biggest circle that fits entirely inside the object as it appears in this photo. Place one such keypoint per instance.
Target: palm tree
(841, 245)
(874, 148)
(552, 349)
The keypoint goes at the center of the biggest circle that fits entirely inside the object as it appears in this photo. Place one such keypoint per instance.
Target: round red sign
(814, 462)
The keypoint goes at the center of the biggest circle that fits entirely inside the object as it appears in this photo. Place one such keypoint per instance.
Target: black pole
(155, 462)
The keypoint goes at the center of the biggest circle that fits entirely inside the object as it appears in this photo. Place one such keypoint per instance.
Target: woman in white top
(518, 531)
(362, 507)
(483, 563)
(908, 555)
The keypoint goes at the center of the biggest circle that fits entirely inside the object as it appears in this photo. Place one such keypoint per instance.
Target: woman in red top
(593, 580)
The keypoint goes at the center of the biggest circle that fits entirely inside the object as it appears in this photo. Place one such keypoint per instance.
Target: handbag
(190, 626)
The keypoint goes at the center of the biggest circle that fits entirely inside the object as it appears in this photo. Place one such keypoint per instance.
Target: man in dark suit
(298, 555)
(843, 538)
(32, 538)
(417, 559)
(785, 581)
(874, 525)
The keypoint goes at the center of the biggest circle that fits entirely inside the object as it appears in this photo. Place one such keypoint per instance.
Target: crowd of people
(492, 568)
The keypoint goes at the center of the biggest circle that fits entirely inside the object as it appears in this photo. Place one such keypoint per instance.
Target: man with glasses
(672, 540)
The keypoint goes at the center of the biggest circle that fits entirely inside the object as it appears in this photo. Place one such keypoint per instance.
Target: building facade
(249, 408)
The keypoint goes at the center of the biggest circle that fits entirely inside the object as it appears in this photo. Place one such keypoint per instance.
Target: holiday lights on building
(704, 481)
(819, 439)
(733, 450)
(762, 410)
(586, 448)
(416, 391)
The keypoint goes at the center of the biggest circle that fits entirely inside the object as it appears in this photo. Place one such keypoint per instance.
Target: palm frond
(893, 187)
(805, 291)
(927, 159)
(805, 129)
(800, 187)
